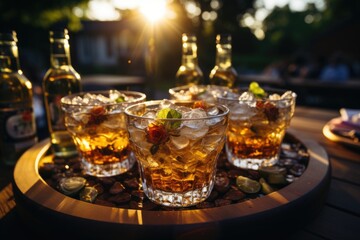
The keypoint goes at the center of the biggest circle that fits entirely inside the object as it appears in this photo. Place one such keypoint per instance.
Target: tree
(39, 13)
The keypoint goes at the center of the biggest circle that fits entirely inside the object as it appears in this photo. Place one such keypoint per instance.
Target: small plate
(332, 130)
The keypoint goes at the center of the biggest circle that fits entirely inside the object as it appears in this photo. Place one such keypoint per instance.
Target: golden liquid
(179, 170)
(257, 137)
(103, 142)
(188, 77)
(221, 77)
(58, 83)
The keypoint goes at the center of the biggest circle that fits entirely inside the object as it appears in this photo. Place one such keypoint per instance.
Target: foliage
(39, 13)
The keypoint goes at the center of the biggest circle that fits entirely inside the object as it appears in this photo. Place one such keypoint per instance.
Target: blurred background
(308, 46)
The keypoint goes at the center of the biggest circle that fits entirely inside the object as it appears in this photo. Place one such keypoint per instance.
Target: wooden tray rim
(28, 181)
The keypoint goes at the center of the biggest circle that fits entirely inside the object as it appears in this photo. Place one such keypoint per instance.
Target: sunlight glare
(103, 11)
(153, 10)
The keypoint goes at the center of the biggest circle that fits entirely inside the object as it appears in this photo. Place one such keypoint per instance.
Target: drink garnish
(255, 89)
(247, 185)
(158, 132)
(167, 113)
(270, 110)
(199, 104)
(120, 99)
(97, 115)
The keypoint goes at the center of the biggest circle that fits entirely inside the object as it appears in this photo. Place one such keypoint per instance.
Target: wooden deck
(338, 218)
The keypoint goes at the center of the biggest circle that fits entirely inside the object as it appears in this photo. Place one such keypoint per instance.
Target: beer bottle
(189, 72)
(60, 80)
(223, 74)
(17, 119)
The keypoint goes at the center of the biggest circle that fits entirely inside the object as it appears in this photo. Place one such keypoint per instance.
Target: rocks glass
(257, 126)
(177, 144)
(97, 124)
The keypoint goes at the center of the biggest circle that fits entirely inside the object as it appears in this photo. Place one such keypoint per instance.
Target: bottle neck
(223, 55)
(189, 55)
(59, 52)
(9, 56)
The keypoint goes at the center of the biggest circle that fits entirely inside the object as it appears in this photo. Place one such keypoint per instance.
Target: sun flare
(153, 10)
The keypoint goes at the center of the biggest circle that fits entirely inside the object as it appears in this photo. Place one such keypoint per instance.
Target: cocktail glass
(176, 144)
(97, 124)
(257, 126)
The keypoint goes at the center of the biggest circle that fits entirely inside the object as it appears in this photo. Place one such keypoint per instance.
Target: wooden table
(338, 218)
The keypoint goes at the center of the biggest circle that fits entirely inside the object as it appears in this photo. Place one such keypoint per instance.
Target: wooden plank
(335, 224)
(346, 170)
(344, 196)
(316, 113)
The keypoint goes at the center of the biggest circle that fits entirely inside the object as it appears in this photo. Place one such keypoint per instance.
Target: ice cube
(81, 117)
(165, 104)
(213, 121)
(192, 133)
(115, 94)
(180, 142)
(288, 94)
(212, 111)
(143, 123)
(286, 99)
(241, 111)
(195, 114)
(137, 135)
(194, 90)
(78, 100)
(114, 121)
(183, 110)
(274, 97)
(248, 98)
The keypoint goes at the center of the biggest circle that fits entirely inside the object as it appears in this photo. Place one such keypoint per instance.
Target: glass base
(108, 170)
(251, 163)
(171, 199)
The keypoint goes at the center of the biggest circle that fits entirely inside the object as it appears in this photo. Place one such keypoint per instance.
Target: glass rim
(142, 97)
(185, 87)
(157, 102)
(268, 90)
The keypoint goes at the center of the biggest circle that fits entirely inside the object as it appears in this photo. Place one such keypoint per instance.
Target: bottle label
(21, 125)
(18, 127)
(57, 116)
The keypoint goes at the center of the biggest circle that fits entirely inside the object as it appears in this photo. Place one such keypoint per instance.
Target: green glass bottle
(17, 119)
(189, 73)
(223, 73)
(60, 80)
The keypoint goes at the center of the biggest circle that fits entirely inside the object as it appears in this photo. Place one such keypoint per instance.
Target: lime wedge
(247, 185)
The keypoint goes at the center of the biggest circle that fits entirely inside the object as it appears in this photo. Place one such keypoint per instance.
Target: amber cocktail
(97, 123)
(257, 126)
(177, 144)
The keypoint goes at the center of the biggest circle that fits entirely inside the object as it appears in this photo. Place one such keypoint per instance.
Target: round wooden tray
(48, 211)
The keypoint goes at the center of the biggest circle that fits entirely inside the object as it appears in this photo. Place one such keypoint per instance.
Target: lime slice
(266, 188)
(257, 90)
(247, 185)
